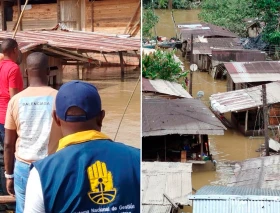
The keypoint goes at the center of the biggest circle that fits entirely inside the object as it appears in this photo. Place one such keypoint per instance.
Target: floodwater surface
(115, 93)
(232, 146)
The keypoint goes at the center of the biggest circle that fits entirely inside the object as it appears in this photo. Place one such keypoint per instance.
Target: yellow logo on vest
(101, 184)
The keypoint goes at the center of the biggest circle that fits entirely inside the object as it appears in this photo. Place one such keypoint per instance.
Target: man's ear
(55, 118)
(101, 117)
(26, 73)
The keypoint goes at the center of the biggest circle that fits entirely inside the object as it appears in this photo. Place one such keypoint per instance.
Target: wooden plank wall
(110, 16)
(40, 16)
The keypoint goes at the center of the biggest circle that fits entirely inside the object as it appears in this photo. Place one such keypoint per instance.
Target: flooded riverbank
(115, 93)
(232, 146)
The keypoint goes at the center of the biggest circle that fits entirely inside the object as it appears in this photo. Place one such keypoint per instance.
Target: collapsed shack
(241, 75)
(222, 199)
(245, 108)
(220, 56)
(159, 191)
(177, 130)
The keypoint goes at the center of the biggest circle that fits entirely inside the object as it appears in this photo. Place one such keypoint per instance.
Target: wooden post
(122, 63)
(2, 15)
(170, 2)
(183, 156)
(265, 112)
(58, 11)
(132, 18)
(191, 73)
(165, 148)
(92, 16)
(201, 145)
(19, 12)
(246, 121)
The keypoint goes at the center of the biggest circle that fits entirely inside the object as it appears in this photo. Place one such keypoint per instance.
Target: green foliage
(150, 19)
(162, 65)
(268, 11)
(229, 14)
(163, 4)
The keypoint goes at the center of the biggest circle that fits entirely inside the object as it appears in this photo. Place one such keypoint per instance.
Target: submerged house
(165, 186)
(205, 38)
(245, 107)
(222, 199)
(220, 56)
(177, 130)
(107, 16)
(241, 75)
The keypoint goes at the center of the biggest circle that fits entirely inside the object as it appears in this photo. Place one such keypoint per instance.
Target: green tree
(229, 14)
(149, 20)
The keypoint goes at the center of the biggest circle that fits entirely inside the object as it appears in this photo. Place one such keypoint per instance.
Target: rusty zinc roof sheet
(203, 29)
(223, 43)
(260, 71)
(178, 116)
(86, 41)
(170, 178)
(244, 99)
(242, 55)
(164, 87)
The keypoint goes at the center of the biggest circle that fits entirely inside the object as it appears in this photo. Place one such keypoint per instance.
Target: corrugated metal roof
(240, 100)
(223, 43)
(164, 87)
(220, 55)
(87, 41)
(262, 173)
(178, 116)
(241, 72)
(156, 208)
(203, 29)
(221, 199)
(225, 190)
(170, 178)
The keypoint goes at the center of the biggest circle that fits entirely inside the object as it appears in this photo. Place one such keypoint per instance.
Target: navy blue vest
(95, 176)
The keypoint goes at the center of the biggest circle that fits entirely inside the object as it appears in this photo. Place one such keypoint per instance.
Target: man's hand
(10, 186)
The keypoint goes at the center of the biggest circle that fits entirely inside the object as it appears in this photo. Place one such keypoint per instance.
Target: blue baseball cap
(77, 94)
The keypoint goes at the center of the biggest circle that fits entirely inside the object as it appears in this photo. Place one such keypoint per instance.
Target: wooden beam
(246, 121)
(2, 15)
(122, 63)
(19, 11)
(58, 12)
(133, 17)
(92, 16)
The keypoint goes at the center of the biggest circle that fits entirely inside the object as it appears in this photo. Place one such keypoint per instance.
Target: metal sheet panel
(77, 40)
(172, 179)
(156, 208)
(242, 72)
(240, 100)
(164, 87)
(235, 199)
(178, 116)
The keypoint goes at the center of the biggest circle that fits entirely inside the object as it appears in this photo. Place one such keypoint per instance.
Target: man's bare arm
(13, 91)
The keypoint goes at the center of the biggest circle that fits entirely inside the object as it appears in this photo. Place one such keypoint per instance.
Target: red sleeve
(15, 78)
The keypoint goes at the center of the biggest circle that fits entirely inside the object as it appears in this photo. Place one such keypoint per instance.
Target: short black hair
(8, 45)
(37, 60)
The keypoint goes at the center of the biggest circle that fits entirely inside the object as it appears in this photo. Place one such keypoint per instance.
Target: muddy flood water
(232, 146)
(115, 93)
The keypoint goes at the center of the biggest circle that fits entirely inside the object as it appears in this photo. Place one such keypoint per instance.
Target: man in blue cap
(89, 172)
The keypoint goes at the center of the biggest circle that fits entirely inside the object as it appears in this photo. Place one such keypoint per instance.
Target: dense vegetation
(163, 4)
(231, 15)
(162, 65)
(149, 20)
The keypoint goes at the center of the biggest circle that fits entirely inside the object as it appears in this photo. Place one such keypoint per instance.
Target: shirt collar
(81, 137)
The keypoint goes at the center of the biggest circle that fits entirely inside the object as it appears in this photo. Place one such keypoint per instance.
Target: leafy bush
(150, 19)
(162, 65)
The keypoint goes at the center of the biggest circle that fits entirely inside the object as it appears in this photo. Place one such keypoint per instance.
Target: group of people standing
(56, 158)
